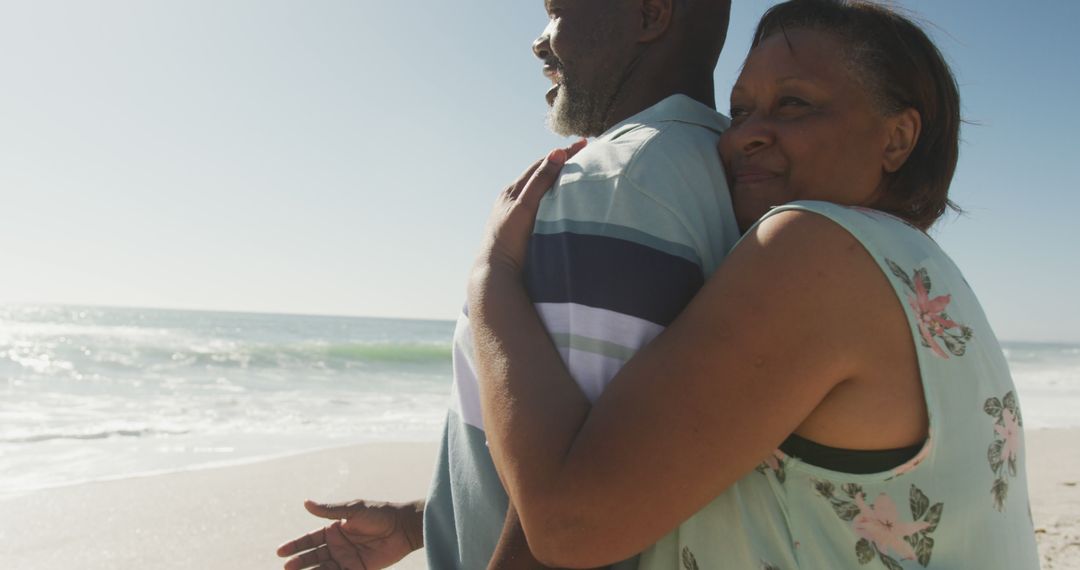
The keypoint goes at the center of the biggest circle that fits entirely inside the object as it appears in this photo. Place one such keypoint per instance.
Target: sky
(340, 157)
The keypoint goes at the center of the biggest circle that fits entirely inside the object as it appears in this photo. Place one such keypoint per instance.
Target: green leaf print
(889, 562)
(993, 408)
(1010, 402)
(900, 274)
(952, 344)
(847, 511)
(924, 550)
(1000, 491)
(933, 517)
(1012, 466)
(688, 560)
(923, 275)
(864, 551)
(852, 489)
(919, 503)
(994, 455)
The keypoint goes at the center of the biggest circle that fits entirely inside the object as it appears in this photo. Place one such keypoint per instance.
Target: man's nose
(542, 45)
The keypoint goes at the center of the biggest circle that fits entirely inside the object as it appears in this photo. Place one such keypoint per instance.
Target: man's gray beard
(584, 113)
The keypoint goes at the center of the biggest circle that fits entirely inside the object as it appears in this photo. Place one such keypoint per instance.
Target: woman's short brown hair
(901, 68)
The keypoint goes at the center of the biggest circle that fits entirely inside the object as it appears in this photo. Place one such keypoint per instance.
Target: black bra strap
(853, 461)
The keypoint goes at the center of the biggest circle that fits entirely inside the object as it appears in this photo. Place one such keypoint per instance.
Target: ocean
(90, 393)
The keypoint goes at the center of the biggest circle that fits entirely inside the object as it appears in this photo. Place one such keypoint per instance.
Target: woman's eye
(737, 112)
(793, 102)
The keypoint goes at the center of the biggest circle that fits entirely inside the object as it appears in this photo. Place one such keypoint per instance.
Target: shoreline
(209, 465)
(235, 516)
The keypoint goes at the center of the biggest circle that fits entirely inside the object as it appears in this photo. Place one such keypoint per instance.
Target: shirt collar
(678, 107)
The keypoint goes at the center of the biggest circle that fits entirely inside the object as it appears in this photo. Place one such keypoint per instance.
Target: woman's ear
(655, 19)
(904, 130)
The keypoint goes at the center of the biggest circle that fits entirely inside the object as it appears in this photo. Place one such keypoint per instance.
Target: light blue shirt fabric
(637, 221)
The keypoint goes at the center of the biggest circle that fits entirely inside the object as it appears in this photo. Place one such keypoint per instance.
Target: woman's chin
(746, 215)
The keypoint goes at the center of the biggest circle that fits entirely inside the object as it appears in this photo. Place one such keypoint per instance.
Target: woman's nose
(752, 135)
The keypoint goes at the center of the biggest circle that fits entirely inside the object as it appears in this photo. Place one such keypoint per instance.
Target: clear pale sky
(340, 157)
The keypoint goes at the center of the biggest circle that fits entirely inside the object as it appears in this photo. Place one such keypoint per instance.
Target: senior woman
(834, 396)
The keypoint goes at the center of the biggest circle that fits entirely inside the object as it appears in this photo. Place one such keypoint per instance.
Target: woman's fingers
(544, 177)
(514, 189)
(575, 148)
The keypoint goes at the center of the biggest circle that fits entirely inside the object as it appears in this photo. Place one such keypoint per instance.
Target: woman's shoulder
(802, 231)
(857, 220)
(886, 238)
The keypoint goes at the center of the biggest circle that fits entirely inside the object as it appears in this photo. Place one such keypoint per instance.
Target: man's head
(609, 59)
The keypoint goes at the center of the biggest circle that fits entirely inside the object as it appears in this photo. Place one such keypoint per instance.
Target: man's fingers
(306, 542)
(309, 559)
(544, 177)
(334, 511)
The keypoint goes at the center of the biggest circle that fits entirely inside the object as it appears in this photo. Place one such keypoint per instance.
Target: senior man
(637, 221)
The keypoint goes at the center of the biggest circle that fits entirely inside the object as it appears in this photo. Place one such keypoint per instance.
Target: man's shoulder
(647, 152)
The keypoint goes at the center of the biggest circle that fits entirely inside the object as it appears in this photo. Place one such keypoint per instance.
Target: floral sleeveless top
(961, 503)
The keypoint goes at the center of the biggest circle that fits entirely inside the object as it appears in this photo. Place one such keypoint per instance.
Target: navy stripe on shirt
(610, 273)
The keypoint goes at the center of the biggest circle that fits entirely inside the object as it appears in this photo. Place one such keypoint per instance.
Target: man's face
(586, 48)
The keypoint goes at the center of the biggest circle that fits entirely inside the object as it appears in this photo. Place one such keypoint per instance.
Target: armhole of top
(850, 219)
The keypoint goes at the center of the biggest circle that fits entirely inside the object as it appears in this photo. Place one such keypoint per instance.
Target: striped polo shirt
(628, 235)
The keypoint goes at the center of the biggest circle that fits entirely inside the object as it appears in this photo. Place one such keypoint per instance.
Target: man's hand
(364, 536)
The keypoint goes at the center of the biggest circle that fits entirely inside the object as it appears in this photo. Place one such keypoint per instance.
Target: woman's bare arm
(770, 335)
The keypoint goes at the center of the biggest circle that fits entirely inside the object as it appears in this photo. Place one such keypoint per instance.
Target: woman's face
(802, 128)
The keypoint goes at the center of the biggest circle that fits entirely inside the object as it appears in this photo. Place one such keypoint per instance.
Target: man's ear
(655, 19)
(904, 130)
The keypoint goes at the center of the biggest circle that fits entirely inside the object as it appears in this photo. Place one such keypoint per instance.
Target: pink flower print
(774, 459)
(932, 322)
(776, 463)
(879, 524)
(1004, 451)
(914, 462)
(934, 325)
(1009, 431)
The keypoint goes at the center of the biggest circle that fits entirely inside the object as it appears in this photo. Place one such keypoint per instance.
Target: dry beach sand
(234, 517)
(224, 518)
(1054, 473)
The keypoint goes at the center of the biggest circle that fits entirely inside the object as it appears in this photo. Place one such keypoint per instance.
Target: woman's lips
(754, 175)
